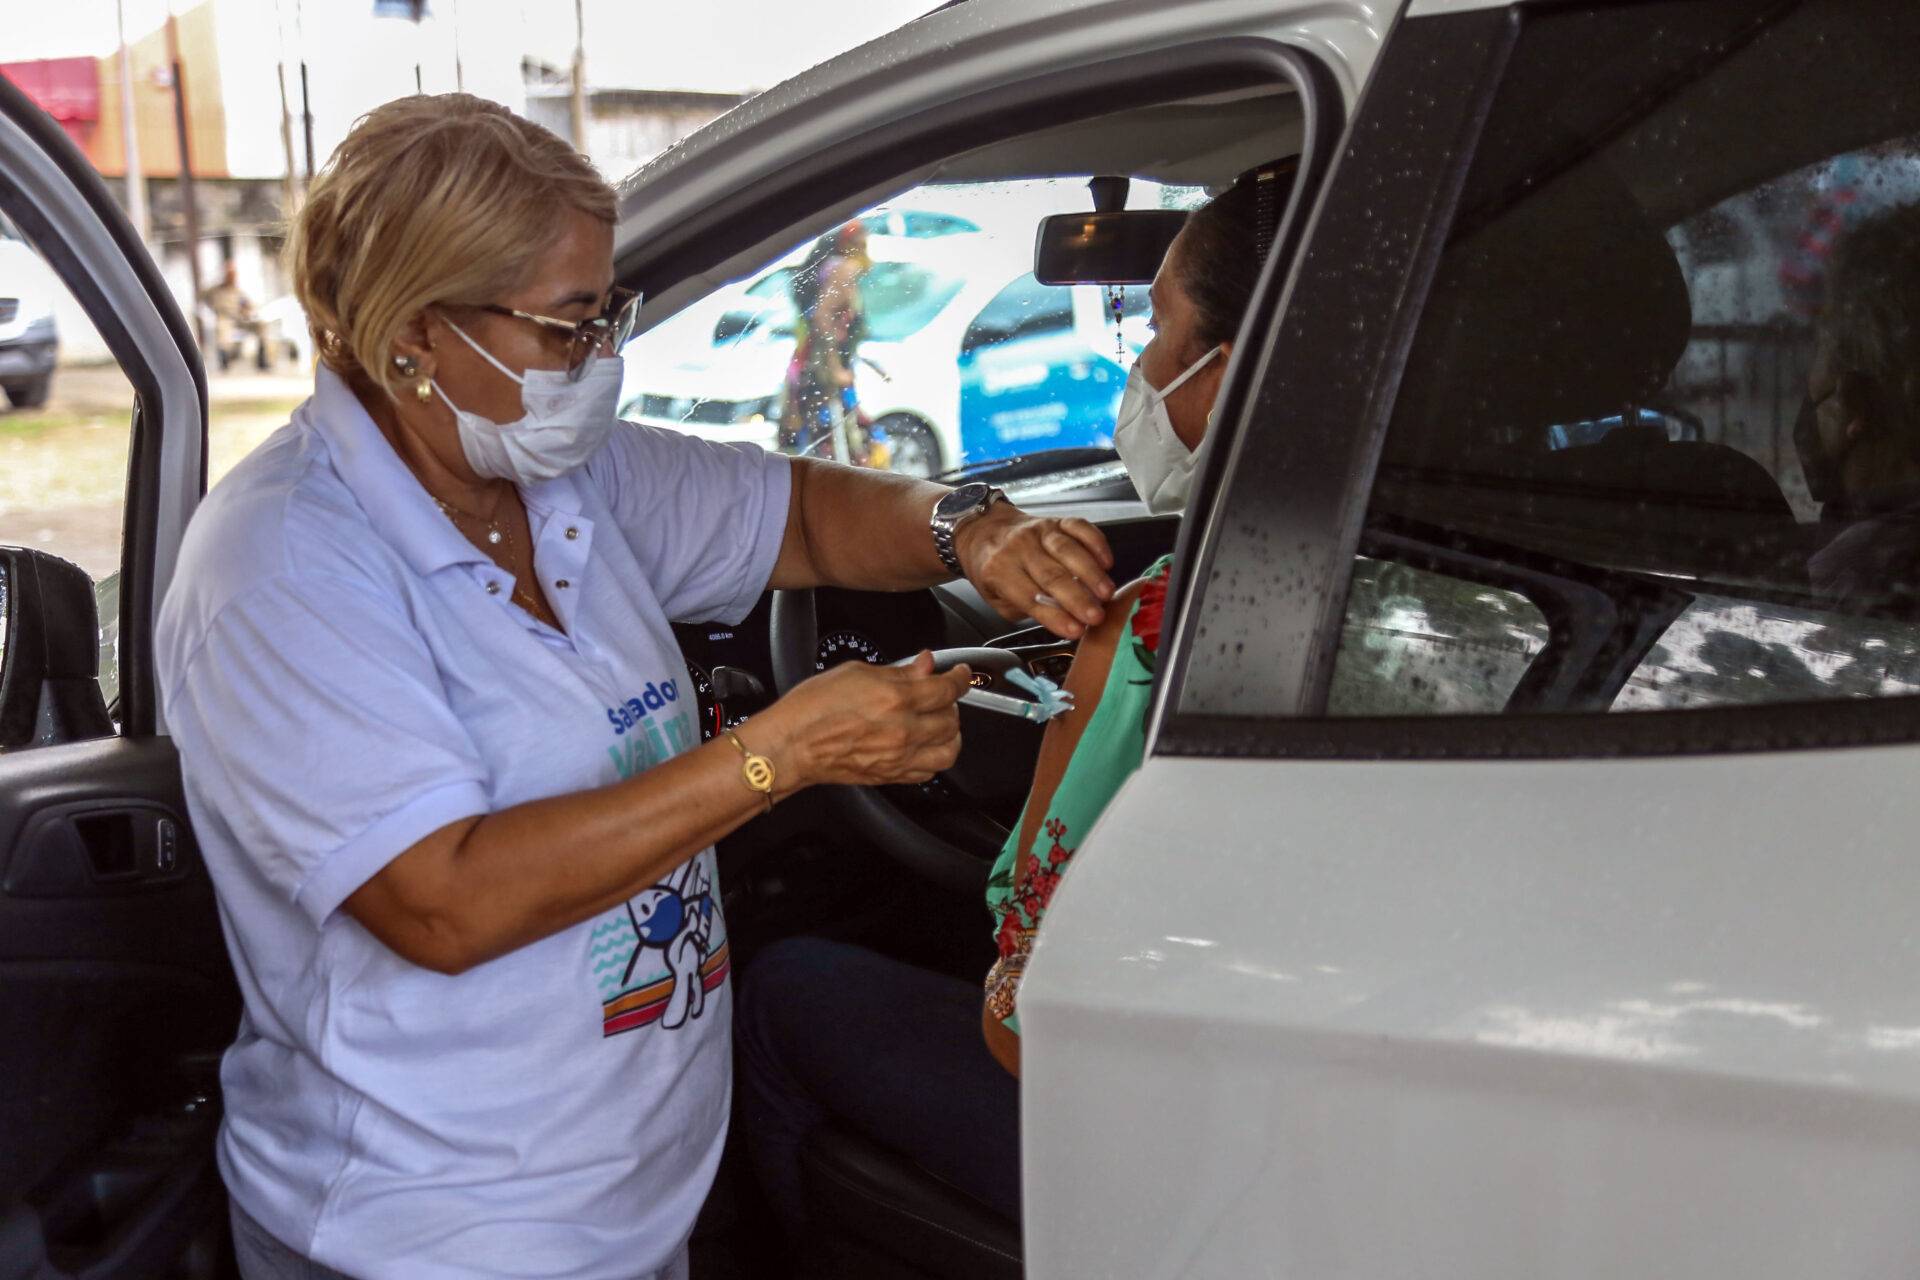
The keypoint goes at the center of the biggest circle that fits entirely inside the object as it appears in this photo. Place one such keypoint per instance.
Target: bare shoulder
(1092, 660)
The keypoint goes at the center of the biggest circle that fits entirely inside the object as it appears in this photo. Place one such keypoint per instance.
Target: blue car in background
(1044, 366)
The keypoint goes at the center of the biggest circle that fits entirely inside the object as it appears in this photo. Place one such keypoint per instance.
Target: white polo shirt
(344, 673)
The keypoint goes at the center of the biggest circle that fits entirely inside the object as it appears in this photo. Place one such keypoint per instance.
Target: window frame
(1265, 634)
(1258, 626)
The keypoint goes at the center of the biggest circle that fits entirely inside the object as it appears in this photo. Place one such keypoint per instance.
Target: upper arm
(706, 521)
(1086, 681)
(795, 565)
(405, 903)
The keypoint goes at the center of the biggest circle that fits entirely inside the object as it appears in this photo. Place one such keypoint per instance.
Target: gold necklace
(496, 536)
(501, 537)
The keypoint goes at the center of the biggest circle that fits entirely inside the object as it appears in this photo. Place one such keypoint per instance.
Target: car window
(66, 421)
(1422, 643)
(1670, 361)
(932, 349)
(902, 298)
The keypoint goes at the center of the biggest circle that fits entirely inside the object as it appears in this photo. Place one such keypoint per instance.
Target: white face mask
(1157, 461)
(565, 421)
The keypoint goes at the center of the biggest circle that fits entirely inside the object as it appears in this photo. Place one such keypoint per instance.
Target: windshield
(912, 337)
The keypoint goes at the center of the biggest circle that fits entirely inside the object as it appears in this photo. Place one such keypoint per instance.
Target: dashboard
(732, 667)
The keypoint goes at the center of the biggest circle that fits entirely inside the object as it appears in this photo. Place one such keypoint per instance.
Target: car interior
(902, 869)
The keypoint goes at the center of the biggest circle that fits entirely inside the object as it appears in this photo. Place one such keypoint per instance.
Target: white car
(1519, 882)
(719, 369)
(29, 337)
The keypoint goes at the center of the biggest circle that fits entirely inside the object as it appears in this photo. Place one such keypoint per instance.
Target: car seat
(894, 1207)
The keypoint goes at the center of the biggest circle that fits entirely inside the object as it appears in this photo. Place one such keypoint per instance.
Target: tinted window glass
(1422, 643)
(1672, 355)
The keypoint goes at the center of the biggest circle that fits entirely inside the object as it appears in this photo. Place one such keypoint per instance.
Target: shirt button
(563, 584)
(572, 533)
(493, 588)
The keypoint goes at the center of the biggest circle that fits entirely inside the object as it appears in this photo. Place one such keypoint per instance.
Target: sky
(722, 45)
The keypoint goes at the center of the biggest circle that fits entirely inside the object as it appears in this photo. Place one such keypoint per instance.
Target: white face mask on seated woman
(566, 421)
(1157, 460)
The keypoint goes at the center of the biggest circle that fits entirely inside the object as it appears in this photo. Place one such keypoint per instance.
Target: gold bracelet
(756, 771)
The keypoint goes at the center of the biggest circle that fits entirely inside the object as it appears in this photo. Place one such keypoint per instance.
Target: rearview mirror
(1124, 247)
(49, 660)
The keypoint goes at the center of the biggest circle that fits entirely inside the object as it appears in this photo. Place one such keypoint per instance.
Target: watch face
(963, 499)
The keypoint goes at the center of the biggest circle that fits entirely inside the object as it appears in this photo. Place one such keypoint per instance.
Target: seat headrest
(1566, 305)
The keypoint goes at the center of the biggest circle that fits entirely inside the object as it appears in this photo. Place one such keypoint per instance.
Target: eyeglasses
(611, 328)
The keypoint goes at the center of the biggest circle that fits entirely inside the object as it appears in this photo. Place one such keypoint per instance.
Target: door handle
(86, 849)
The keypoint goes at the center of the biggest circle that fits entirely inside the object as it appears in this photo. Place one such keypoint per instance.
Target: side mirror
(1123, 247)
(49, 657)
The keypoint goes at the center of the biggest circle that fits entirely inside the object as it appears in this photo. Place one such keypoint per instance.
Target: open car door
(115, 992)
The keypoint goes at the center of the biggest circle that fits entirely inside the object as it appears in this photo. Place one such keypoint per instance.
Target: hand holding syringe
(1049, 699)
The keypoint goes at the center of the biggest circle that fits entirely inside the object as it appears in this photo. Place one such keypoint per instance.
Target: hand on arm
(854, 527)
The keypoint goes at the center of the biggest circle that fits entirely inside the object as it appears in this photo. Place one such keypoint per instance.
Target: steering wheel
(960, 853)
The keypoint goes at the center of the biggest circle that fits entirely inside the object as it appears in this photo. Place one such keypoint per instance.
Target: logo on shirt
(656, 958)
(642, 738)
(654, 697)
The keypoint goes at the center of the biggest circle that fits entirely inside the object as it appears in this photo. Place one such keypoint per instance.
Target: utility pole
(290, 186)
(459, 72)
(187, 202)
(130, 132)
(580, 76)
(306, 101)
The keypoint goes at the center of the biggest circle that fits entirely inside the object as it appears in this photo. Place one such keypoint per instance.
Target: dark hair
(1224, 244)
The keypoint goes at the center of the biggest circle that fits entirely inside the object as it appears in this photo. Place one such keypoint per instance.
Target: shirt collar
(398, 506)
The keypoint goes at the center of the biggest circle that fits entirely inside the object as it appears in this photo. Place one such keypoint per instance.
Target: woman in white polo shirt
(438, 744)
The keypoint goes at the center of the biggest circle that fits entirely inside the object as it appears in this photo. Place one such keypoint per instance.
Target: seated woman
(832, 1031)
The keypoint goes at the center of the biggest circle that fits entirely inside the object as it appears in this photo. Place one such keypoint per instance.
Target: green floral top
(1108, 752)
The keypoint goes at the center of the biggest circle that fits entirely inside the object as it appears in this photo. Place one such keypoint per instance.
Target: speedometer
(704, 700)
(837, 647)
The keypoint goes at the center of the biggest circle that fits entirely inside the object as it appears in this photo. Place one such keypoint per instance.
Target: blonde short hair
(444, 198)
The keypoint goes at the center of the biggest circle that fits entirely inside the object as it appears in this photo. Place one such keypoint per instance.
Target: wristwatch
(968, 502)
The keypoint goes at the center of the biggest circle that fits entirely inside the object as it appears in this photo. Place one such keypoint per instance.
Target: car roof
(829, 115)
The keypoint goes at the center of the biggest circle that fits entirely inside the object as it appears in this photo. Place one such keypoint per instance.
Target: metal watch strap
(943, 543)
(945, 529)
